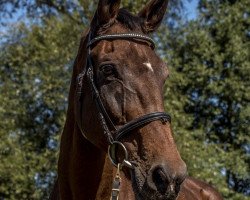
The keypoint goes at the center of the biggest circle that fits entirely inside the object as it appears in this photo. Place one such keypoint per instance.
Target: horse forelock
(129, 20)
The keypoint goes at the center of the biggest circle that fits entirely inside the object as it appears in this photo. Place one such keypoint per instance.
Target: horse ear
(153, 14)
(107, 11)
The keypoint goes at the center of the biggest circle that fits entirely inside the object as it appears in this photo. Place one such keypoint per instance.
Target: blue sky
(191, 8)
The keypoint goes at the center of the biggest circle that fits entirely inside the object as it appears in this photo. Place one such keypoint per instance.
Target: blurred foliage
(207, 92)
(35, 75)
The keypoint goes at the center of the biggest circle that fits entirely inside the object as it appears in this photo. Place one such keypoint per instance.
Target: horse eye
(107, 69)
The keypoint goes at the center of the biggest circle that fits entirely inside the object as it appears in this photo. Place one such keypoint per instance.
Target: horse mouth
(144, 192)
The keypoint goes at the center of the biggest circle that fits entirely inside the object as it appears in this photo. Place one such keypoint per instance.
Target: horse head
(122, 106)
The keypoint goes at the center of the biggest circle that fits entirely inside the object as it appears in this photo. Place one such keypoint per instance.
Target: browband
(123, 36)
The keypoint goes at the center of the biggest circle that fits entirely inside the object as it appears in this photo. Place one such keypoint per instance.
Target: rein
(113, 134)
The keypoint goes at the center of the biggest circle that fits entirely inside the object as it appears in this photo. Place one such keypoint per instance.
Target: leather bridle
(113, 134)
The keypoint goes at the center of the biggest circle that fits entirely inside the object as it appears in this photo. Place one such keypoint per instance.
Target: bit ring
(112, 152)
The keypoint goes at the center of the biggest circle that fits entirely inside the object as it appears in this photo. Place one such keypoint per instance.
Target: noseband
(113, 134)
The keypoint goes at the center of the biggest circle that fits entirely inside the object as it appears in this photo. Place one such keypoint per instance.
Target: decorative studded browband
(123, 36)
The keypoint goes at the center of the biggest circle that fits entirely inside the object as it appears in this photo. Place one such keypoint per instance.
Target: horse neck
(85, 171)
(80, 163)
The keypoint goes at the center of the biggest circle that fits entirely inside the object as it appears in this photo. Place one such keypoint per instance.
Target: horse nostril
(160, 179)
(165, 180)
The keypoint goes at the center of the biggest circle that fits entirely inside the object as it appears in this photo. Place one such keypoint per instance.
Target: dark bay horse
(116, 112)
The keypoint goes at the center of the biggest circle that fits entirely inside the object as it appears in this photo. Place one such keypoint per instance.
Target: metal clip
(116, 184)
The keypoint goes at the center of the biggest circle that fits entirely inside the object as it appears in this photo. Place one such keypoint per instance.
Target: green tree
(209, 93)
(35, 69)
